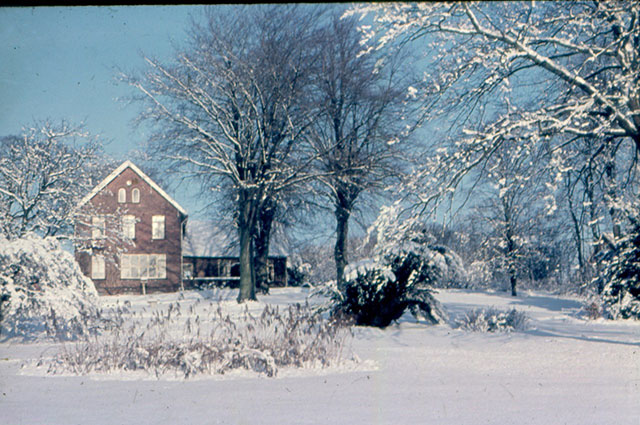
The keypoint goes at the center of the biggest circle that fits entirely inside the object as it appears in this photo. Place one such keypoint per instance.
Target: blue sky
(61, 63)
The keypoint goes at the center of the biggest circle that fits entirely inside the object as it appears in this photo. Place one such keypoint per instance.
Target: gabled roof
(143, 176)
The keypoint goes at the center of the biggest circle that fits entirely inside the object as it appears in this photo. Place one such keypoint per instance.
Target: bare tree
(361, 123)
(231, 111)
(44, 172)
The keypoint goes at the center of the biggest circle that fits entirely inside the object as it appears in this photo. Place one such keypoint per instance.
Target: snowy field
(561, 370)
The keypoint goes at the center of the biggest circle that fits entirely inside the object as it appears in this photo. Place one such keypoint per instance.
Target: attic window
(135, 195)
(122, 195)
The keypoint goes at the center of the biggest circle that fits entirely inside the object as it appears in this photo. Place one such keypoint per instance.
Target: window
(226, 269)
(135, 195)
(97, 227)
(235, 270)
(271, 271)
(129, 226)
(143, 266)
(122, 195)
(97, 267)
(187, 271)
(157, 227)
(157, 267)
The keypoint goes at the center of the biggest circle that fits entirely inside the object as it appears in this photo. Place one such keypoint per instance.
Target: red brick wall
(151, 203)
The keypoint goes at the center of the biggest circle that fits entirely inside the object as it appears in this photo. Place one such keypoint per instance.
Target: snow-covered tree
(231, 110)
(44, 172)
(558, 75)
(508, 204)
(401, 275)
(532, 70)
(599, 179)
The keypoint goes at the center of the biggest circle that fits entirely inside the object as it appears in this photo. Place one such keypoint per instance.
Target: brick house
(130, 238)
(129, 234)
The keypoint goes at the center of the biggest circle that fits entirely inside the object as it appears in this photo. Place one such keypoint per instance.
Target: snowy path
(563, 370)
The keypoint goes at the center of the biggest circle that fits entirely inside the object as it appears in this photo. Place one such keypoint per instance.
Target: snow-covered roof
(206, 239)
(212, 239)
(143, 176)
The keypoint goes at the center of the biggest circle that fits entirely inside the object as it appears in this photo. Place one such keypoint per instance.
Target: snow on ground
(562, 370)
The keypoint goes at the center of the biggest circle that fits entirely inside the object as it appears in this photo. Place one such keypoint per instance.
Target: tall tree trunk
(513, 278)
(593, 210)
(577, 235)
(261, 244)
(247, 287)
(340, 249)
(611, 196)
(512, 263)
(596, 235)
(511, 254)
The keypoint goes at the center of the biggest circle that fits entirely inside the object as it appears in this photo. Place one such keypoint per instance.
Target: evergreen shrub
(621, 276)
(378, 292)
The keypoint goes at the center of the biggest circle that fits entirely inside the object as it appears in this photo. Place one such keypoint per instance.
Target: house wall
(151, 203)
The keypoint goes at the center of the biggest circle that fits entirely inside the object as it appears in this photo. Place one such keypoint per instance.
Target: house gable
(117, 172)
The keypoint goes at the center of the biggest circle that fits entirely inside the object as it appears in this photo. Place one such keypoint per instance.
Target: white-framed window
(143, 266)
(97, 227)
(122, 195)
(135, 195)
(157, 227)
(97, 267)
(129, 226)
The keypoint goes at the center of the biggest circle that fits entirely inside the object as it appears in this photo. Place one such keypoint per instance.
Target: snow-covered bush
(377, 292)
(44, 292)
(187, 343)
(371, 297)
(493, 320)
(426, 264)
(621, 275)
